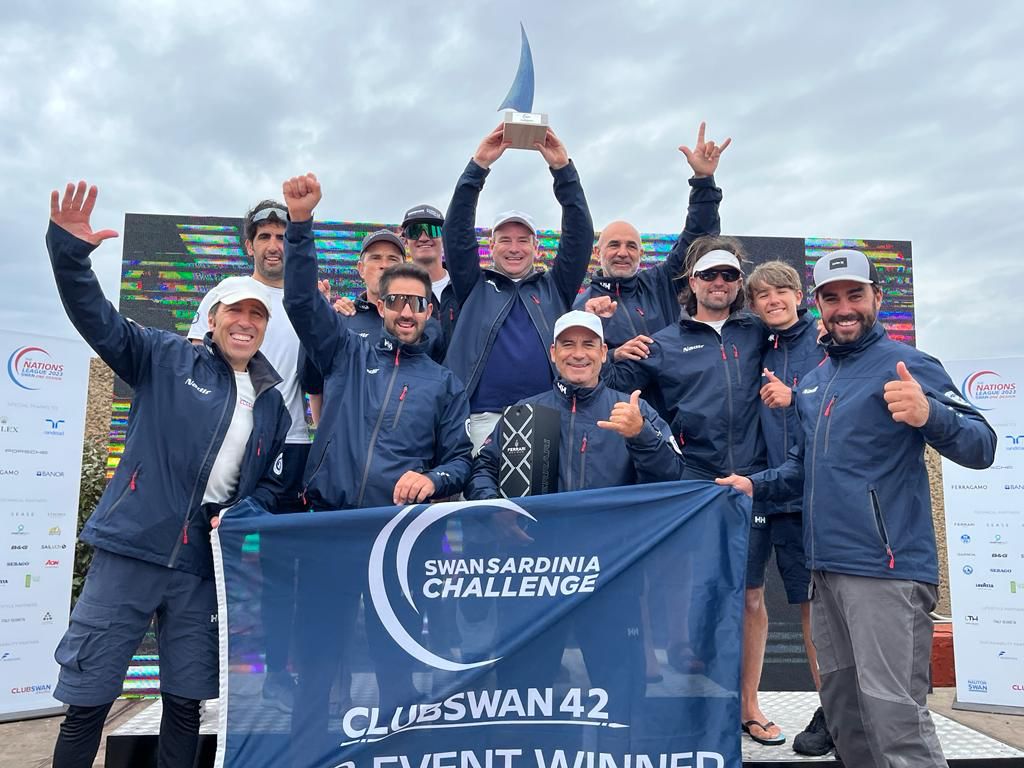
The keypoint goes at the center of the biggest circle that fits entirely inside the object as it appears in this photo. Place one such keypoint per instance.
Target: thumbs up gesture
(775, 393)
(625, 418)
(907, 401)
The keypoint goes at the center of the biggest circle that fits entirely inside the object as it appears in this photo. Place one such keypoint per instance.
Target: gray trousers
(874, 643)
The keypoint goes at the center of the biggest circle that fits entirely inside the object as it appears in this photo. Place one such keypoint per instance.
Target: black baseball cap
(423, 212)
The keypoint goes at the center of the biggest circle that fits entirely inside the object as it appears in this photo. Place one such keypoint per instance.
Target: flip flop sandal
(772, 741)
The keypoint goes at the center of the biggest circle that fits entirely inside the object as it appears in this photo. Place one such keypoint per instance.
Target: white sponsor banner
(43, 390)
(985, 541)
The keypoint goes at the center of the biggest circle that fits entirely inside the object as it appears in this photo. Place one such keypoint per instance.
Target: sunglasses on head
(709, 275)
(396, 302)
(266, 213)
(413, 231)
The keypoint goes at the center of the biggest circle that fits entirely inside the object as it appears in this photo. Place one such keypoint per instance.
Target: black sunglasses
(396, 302)
(709, 275)
(413, 231)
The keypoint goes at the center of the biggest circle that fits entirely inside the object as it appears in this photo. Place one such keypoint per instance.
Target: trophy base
(524, 129)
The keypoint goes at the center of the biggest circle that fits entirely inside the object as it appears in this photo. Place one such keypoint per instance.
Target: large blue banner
(597, 629)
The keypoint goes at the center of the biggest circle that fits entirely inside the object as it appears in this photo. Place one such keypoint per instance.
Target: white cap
(232, 290)
(844, 264)
(717, 258)
(579, 319)
(516, 216)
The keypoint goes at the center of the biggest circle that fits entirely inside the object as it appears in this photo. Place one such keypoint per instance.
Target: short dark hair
(405, 269)
(249, 229)
(698, 248)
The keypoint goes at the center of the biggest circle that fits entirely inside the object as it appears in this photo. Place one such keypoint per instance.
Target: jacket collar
(834, 350)
(261, 372)
(616, 285)
(742, 317)
(804, 321)
(490, 273)
(362, 305)
(389, 345)
(582, 395)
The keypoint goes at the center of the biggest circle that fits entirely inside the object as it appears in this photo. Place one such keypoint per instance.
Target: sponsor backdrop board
(985, 530)
(42, 421)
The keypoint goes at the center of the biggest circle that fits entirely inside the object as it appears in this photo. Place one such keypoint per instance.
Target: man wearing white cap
(499, 347)
(206, 430)
(866, 414)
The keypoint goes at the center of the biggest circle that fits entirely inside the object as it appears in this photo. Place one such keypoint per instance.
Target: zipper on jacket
(401, 404)
(814, 460)
(883, 534)
(376, 431)
(728, 402)
(130, 488)
(736, 361)
(828, 420)
(583, 462)
(319, 464)
(543, 320)
(572, 428)
(230, 400)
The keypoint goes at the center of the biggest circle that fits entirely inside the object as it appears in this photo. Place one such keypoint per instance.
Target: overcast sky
(879, 120)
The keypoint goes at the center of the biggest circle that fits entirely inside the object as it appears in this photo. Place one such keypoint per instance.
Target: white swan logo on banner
(378, 593)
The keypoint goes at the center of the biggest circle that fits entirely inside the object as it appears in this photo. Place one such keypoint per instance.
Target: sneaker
(815, 739)
(279, 691)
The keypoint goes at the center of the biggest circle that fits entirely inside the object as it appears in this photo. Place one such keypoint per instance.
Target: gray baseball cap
(382, 236)
(845, 264)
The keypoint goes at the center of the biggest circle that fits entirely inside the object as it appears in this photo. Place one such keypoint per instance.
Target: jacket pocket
(883, 533)
(319, 464)
(583, 463)
(401, 404)
(828, 420)
(83, 640)
(130, 487)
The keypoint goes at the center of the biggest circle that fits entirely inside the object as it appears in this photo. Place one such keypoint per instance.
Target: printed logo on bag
(34, 368)
(986, 389)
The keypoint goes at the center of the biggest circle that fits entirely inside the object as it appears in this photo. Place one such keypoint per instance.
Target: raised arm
(577, 241)
(119, 342)
(317, 325)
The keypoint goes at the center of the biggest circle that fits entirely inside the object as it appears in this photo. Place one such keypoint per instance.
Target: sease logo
(987, 388)
(34, 368)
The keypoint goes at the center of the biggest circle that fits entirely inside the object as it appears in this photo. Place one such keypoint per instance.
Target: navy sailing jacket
(711, 387)
(791, 354)
(648, 301)
(589, 456)
(485, 296)
(866, 502)
(388, 408)
(183, 401)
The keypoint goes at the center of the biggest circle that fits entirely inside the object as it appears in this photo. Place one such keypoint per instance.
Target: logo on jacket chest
(197, 388)
(693, 347)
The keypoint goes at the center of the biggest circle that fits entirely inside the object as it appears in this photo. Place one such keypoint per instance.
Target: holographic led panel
(170, 262)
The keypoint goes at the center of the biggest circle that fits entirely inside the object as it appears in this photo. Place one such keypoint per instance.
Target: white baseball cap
(717, 258)
(514, 216)
(844, 264)
(579, 319)
(232, 290)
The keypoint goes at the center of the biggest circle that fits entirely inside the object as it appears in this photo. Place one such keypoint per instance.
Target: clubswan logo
(33, 368)
(986, 388)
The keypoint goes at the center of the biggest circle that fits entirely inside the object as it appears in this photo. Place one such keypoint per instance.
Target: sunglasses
(396, 302)
(266, 213)
(413, 231)
(709, 275)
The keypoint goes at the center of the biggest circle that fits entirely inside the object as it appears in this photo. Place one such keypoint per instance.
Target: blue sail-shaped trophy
(523, 127)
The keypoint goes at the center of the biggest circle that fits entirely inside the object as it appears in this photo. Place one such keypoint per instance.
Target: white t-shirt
(223, 480)
(281, 348)
(716, 324)
(438, 286)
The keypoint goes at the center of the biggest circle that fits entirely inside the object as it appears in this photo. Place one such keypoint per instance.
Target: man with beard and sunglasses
(866, 414)
(393, 430)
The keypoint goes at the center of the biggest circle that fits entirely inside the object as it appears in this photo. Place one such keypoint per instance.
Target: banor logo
(33, 368)
(985, 388)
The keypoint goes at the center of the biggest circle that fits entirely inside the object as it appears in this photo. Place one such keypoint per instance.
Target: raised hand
(553, 150)
(412, 488)
(625, 418)
(740, 483)
(492, 147)
(602, 306)
(324, 286)
(908, 403)
(775, 394)
(301, 195)
(72, 213)
(635, 349)
(703, 158)
(345, 306)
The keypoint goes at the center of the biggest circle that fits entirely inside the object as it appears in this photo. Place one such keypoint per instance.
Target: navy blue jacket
(711, 387)
(648, 301)
(446, 310)
(791, 354)
(589, 456)
(367, 324)
(485, 296)
(866, 503)
(388, 408)
(184, 398)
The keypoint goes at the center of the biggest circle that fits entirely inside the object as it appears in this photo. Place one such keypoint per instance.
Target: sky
(895, 121)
